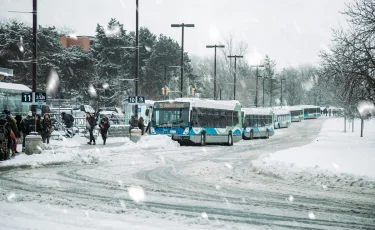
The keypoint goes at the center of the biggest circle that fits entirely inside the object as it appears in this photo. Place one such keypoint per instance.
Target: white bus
(198, 121)
(282, 118)
(311, 111)
(257, 123)
(296, 113)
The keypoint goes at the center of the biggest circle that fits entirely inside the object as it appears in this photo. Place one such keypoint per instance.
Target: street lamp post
(215, 46)
(256, 87)
(281, 97)
(182, 51)
(136, 56)
(235, 70)
(263, 89)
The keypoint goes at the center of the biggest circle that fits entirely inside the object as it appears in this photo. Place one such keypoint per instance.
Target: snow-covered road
(171, 187)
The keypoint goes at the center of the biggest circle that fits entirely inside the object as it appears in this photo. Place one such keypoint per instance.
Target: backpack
(3, 130)
(71, 118)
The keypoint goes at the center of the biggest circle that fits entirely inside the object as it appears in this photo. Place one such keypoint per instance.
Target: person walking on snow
(90, 125)
(104, 126)
(141, 125)
(46, 128)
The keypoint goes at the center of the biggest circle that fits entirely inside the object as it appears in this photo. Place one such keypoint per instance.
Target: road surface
(213, 187)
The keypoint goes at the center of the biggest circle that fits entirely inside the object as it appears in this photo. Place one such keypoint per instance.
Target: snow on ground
(334, 158)
(71, 150)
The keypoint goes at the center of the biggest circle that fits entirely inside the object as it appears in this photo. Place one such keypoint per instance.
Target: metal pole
(220, 93)
(256, 90)
(234, 85)
(281, 99)
(362, 126)
(353, 125)
(35, 25)
(345, 124)
(136, 57)
(263, 91)
(271, 92)
(182, 60)
(215, 75)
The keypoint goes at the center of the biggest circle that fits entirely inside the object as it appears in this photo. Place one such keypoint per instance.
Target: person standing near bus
(104, 126)
(4, 135)
(14, 135)
(46, 128)
(27, 126)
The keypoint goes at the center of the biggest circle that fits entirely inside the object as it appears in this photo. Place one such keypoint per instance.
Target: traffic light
(192, 91)
(162, 91)
(166, 90)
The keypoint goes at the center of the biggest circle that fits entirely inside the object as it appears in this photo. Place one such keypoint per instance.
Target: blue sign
(139, 110)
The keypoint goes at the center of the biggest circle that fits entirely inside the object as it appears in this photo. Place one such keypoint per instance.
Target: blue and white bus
(282, 118)
(198, 121)
(311, 111)
(257, 123)
(296, 113)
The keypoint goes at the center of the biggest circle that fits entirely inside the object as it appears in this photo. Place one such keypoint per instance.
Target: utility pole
(35, 27)
(281, 97)
(235, 70)
(215, 46)
(256, 87)
(263, 90)
(136, 56)
(220, 93)
(182, 53)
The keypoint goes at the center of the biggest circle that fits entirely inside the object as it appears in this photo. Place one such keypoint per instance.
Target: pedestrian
(4, 136)
(325, 111)
(14, 134)
(104, 126)
(46, 128)
(38, 123)
(330, 112)
(90, 125)
(68, 121)
(27, 126)
(141, 125)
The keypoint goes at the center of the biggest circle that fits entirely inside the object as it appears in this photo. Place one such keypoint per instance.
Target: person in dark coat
(141, 125)
(27, 126)
(90, 125)
(67, 120)
(46, 128)
(38, 124)
(4, 135)
(12, 140)
(104, 126)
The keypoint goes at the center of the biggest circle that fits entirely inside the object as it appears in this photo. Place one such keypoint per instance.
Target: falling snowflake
(11, 196)
(53, 82)
(148, 48)
(311, 215)
(336, 166)
(204, 215)
(136, 193)
(87, 214)
(105, 85)
(290, 199)
(366, 107)
(73, 36)
(21, 48)
(218, 187)
(92, 91)
(228, 165)
(277, 101)
(65, 211)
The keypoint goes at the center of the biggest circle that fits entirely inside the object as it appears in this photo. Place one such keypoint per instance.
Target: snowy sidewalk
(333, 153)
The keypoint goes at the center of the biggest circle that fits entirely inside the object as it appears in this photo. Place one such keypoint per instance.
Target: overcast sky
(290, 31)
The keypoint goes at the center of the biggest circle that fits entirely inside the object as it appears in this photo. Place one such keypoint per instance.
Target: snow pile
(335, 158)
(86, 154)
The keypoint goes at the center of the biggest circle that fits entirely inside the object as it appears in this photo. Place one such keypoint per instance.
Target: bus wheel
(203, 139)
(230, 139)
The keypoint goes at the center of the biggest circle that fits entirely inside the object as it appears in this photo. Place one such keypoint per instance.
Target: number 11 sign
(27, 97)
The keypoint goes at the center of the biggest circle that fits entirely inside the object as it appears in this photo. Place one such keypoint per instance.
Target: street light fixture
(256, 87)
(182, 51)
(215, 46)
(235, 70)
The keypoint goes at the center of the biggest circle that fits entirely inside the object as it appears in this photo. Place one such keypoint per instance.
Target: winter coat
(13, 125)
(67, 121)
(46, 127)
(104, 125)
(27, 125)
(39, 125)
(19, 120)
(141, 125)
(90, 123)
(6, 129)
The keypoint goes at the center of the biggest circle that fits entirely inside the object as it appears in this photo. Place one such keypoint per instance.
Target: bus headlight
(186, 131)
(152, 130)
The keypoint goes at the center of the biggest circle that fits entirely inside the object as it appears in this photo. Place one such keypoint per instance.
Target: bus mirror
(147, 112)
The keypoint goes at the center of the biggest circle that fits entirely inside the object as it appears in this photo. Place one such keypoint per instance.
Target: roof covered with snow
(207, 103)
(13, 88)
(281, 111)
(257, 111)
(309, 106)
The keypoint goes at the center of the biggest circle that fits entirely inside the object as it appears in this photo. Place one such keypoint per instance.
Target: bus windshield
(170, 117)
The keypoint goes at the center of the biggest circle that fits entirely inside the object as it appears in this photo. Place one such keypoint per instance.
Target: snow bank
(87, 154)
(335, 158)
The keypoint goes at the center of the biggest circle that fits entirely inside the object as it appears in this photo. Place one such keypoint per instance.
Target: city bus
(198, 121)
(257, 123)
(311, 111)
(282, 118)
(296, 113)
